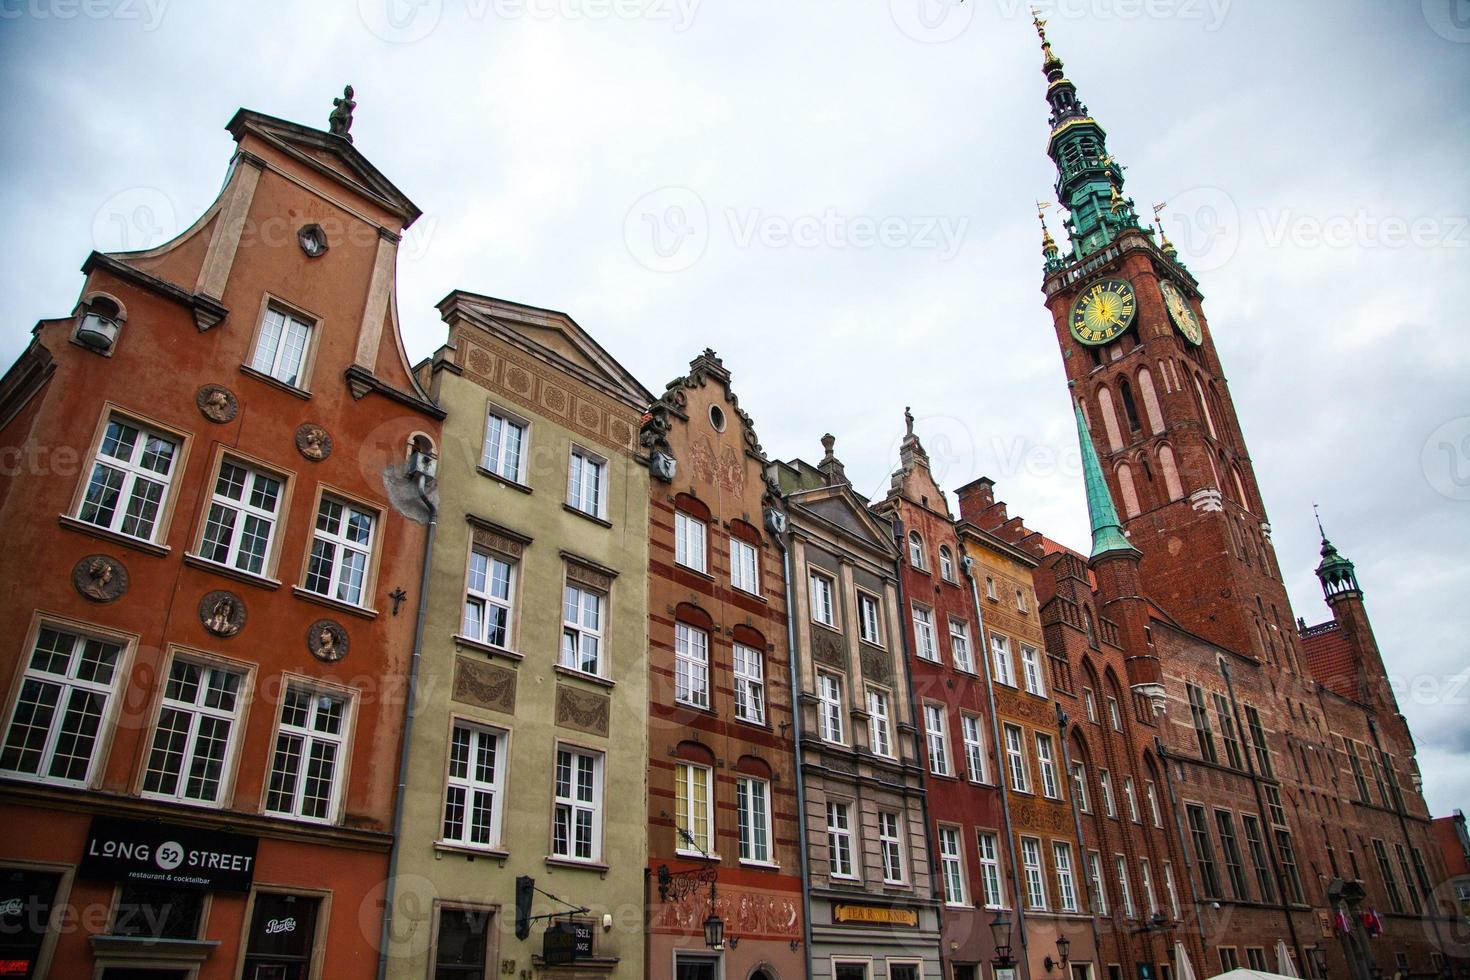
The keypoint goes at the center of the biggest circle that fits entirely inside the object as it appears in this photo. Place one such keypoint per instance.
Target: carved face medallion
(217, 403)
(327, 640)
(100, 578)
(313, 441)
(222, 613)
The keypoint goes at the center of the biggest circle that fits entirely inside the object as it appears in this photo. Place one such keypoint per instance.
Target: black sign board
(567, 941)
(169, 855)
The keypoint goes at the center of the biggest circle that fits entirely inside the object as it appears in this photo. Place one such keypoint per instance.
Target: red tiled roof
(1330, 659)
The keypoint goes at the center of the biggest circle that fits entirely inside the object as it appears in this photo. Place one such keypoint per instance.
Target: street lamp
(1063, 944)
(714, 930)
(1000, 931)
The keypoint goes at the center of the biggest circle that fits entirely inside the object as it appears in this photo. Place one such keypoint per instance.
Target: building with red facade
(214, 562)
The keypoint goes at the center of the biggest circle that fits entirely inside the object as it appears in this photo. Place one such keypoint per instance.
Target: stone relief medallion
(327, 640)
(222, 613)
(100, 578)
(217, 403)
(313, 441)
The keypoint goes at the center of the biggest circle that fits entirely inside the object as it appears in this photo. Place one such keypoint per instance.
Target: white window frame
(749, 666)
(340, 583)
(1016, 764)
(309, 737)
(959, 645)
(587, 477)
(1033, 875)
(131, 471)
(691, 542)
(840, 854)
(577, 631)
(880, 722)
(1089, 702)
(696, 811)
(1120, 864)
(274, 358)
(1146, 878)
(870, 619)
(916, 551)
(1131, 799)
(990, 588)
(485, 599)
(745, 567)
(691, 666)
(926, 644)
(195, 713)
(891, 845)
(1000, 653)
(1079, 786)
(753, 819)
(1151, 793)
(952, 867)
(1051, 787)
(1099, 882)
(1115, 714)
(1021, 605)
(472, 789)
(1031, 670)
(1105, 780)
(946, 563)
(830, 720)
(73, 688)
(974, 740)
(936, 739)
(497, 455)
(571, 807)
(990, 886)
(823, 597)
(1061, 857)
(241, 513)
(1169, 887)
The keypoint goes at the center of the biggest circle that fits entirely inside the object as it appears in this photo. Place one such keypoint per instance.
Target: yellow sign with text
(876, 915)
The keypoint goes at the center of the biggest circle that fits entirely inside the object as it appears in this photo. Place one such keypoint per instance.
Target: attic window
(717, 418)
(313, 241)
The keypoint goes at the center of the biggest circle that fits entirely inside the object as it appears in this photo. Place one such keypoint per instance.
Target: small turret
(1338, 577)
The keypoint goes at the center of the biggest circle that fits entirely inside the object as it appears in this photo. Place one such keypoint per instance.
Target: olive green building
(529, 744)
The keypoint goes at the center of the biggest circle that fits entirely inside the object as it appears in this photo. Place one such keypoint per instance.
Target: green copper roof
(1336, 572)
(1107, 530)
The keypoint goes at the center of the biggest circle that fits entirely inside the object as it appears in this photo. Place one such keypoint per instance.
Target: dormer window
(98, 322)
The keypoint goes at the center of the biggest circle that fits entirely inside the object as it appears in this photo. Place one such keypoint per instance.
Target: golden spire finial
(1040, 24)
(1048, 246)
(1166, 246)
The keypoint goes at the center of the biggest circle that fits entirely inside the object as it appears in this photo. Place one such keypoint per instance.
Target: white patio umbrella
(1284, 964)
(1182, 969)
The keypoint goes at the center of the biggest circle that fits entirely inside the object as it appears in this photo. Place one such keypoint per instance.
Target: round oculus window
(717, 418)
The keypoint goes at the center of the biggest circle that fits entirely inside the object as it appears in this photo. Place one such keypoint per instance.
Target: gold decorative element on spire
(1040, 25)
(1165, 246)
(1048, 246)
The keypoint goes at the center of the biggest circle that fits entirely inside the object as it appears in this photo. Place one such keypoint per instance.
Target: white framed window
(1031, 866)
(1105, 780)
(587, 483)
(691, 665)
(341, 550)
(1031, 666)
(830, 712)
(1061, 859)
(242, 517)
(869, 623)
(1131, 800)
(581, 629)
(193, 740)
(64, 702)
(280, 349)
(916, 550)
(1021, 606)
(1079, 786)
(989, 869)
(1125, 893)
(1169, 889)
(990, 588)
(1153, 802)
(505, 446)
(1089, 702)
(925, 644)
(131, 476)
(489, 590)
(890, 843)
(692, 806)
(1051, 787)
(750, 684)
(1016, 759)
(689, 541)
(959, 645)
(1000, 649)
(946, 563)
(474, 795)
(839, 840)
(576, 827)
(974, 747)
(880, 724)
(952, 866)
(937, 739)
(1146, 879)
(1098, 883)
(307, 761)
(1115, 717)
(824, 608)
(745, 566)
(753, 811)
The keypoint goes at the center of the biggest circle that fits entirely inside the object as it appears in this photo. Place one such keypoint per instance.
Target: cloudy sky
(838, 196)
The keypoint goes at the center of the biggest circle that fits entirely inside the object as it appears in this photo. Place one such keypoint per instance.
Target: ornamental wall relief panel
(748, 913)
(877, 665)
(827, 647)
(484, 685)
(582, 710)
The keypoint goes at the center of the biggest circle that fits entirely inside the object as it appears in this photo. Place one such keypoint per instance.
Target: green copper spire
(1107, 530)
(1089, 181)
(1336, 573)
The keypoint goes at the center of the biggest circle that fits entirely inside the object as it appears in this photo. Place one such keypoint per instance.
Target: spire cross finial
(1318, 514)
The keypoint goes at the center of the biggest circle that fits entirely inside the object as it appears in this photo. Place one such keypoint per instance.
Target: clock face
(1182, 313)
(1103, 311)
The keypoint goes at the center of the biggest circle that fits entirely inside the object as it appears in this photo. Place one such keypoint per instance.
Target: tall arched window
(1110, 420)
(1240, 487)
(916, 550)
(1130, 409)
(1205, 408)
(1170, 470)
(1129, 492)
(1150, 401)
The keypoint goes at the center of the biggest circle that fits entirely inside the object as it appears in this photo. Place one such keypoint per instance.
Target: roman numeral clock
(1105, 309)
